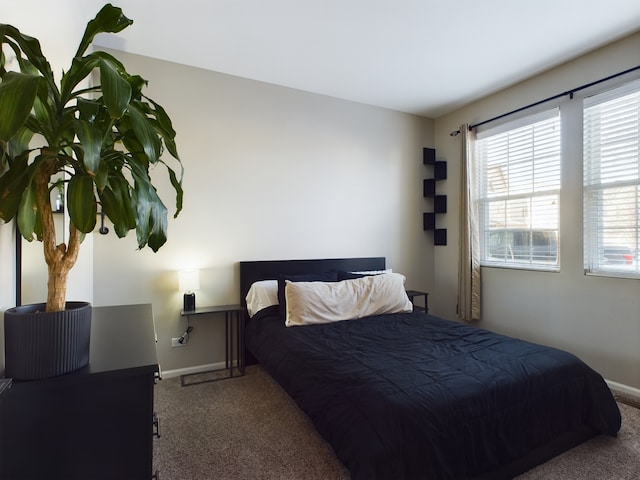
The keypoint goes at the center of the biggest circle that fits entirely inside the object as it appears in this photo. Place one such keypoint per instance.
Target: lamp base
(189, 302)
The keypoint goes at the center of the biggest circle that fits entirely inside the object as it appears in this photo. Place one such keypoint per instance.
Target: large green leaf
(91, 140)
(17, 94)
(145, 133)
(44, 116)
(81, 68)
(115, 89)
(19, 143)
(164, 127)
(94, 112)
(151, 214)
(31, 48)
(177, 185)
(81, 203)
(151, 226)
(158, 233)
(27, 212)
(12, 185)
(128, 138)
(137, 84)
(116, 204)
(89, 110)
(102, 175)
(109, 19)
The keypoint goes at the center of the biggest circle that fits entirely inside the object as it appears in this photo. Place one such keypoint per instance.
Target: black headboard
(269, 269)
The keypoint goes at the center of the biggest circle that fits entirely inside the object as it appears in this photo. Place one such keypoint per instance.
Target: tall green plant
(105, 138)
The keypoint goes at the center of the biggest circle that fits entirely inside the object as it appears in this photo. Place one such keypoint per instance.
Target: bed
(409, 395)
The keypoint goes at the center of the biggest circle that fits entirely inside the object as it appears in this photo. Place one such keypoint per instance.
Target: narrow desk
(230, 312)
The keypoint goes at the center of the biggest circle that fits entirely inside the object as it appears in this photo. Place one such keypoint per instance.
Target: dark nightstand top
(214, 309)
(415, 293)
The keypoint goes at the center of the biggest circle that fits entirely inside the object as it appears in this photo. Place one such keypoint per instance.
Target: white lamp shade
(189, 280)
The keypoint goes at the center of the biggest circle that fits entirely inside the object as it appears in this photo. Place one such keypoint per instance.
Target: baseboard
(620, 387)
(178, 372)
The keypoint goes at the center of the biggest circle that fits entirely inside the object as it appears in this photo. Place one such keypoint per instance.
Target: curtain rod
(548, 99)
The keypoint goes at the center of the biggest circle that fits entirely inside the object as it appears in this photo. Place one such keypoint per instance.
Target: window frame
(594, 235)
(528, 259)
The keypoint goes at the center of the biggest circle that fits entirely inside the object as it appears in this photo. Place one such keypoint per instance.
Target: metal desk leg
(229, 343)
(226, 340)
(240, 319)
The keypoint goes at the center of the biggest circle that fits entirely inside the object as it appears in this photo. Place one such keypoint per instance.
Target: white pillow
(261, 295)
(322, 302)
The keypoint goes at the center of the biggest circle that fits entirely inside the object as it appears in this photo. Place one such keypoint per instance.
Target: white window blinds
(612, 182)
(518, 172)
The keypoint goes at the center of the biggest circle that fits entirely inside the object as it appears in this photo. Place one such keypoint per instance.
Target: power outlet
(175, 342)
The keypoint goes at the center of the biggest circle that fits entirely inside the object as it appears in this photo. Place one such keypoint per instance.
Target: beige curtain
(469, 256)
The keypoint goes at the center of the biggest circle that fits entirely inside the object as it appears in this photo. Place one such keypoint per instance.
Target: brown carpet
(248, 428)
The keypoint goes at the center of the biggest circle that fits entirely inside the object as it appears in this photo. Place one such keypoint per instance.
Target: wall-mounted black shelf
(429, 187)
(440, 236)
(440, 204)
(428, 156)
(429, 190)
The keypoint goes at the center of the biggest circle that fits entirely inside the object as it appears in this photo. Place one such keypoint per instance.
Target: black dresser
(95, 423)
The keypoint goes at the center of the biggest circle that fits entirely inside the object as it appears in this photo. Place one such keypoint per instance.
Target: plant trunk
(60, 258)
(56, 288)
(63, 258)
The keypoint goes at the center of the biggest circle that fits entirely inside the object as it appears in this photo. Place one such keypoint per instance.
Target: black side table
(417, 293)
(233, 342)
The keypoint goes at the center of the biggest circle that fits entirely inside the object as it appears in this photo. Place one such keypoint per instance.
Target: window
(612, 182)
(518, 172)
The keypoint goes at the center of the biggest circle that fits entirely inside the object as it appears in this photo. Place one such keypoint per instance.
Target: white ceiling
(425, 57)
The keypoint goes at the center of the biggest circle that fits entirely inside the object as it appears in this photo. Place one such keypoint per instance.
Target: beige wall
(270, 173)
(597, 318)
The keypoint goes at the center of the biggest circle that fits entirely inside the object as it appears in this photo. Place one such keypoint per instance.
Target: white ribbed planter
(39, 344)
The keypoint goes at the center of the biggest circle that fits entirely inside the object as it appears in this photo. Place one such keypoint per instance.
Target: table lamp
(188, 281)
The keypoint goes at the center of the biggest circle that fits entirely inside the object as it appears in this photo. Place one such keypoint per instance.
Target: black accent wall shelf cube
(429, 187)
(440, 204)
(428, 156)
(429, 190)
(440, 236)
(429, 221)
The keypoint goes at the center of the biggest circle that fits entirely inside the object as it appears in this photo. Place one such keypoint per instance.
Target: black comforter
(415, 396)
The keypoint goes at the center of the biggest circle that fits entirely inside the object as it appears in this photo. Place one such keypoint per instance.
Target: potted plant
(97, 134)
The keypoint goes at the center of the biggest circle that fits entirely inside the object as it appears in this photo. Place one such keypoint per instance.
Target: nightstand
(234, 339)
(416, 293)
